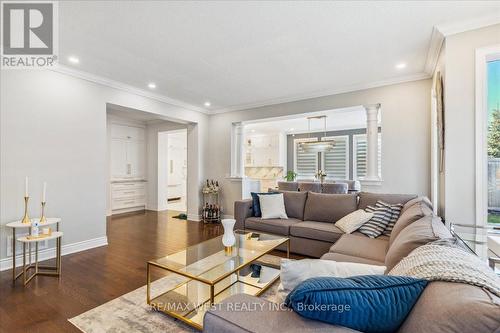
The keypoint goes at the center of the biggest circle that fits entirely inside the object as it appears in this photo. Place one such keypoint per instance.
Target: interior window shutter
(360, 143)
(360, 155)
(336, 162)
(306, 164)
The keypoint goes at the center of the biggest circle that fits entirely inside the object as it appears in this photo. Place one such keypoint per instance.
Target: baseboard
(194, 217)
(6, 263)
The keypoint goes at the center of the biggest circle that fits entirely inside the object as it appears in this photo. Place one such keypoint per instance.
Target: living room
(419, 82)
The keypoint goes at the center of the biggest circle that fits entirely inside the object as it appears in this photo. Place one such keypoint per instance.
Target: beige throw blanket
(448, 263)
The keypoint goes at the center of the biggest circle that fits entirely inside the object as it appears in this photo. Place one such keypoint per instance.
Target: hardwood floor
(93, 277)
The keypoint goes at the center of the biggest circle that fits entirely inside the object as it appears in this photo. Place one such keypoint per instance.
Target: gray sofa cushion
(347, 258)
(262, 316)
(272, 226)
(328, 207)
(426, 230)
(453, 307)
(295, 203)
(361, 246)
(410, 215)
(410, 203)
(370, 199)
(323, 231)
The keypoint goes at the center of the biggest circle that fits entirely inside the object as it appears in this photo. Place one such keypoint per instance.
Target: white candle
(44, 191)
(26, 187)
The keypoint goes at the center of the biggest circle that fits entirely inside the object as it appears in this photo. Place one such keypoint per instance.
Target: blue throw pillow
(369, 303)
(256, 202)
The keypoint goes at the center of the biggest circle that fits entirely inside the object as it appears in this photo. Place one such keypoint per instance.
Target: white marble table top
(54, 235)
(20, 224)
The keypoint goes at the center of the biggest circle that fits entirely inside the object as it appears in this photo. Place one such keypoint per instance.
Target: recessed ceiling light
(207, 104)
(401, 65)
(151, 85)
(292, 129)
(73, 60)
(253, 131)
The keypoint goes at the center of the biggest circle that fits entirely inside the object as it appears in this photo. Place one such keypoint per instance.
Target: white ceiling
(338, 119)
(243, 54)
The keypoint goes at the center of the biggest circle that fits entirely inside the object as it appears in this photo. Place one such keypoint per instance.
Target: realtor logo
(28, 34)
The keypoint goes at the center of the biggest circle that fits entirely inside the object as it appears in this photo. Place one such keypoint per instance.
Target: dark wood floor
(93, 277)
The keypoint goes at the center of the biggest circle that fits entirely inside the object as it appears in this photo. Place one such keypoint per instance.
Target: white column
(372, 142)
(237, 150)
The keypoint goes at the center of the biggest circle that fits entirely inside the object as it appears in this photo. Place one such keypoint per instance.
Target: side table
(19, 225)
(52, 270)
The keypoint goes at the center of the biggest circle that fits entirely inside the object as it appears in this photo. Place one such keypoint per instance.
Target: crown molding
(440, 32)
(467, 25)
(341, 90)
(437, 40)
(125, 87)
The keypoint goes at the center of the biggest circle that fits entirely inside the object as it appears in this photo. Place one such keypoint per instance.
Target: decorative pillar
(372, 142)
(237, 150)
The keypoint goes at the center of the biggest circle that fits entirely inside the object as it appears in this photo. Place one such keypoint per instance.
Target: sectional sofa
(442, 307)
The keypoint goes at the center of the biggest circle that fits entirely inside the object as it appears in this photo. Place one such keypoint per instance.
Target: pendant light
(318, 145)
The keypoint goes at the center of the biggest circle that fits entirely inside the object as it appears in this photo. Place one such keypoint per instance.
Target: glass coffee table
(214, 273)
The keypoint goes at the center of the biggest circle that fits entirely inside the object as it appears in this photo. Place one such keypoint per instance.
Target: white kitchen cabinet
(136, 158)
(118, 158)
(263, 150)
(128, 196)
(128, 152)
(126, 132)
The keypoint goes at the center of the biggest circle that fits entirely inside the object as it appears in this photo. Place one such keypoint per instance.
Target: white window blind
(336, 162)
(360, 156)
(306, 164)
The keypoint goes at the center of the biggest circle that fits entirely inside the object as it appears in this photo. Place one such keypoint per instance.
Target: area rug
(130, 313)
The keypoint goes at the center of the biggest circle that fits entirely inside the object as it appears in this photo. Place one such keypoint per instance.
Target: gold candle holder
(26, 218)
(228, 250)
(43, 219)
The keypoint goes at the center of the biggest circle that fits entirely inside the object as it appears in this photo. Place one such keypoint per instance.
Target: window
(336, 163)
(359, 142)
(305, 164)
(493, 139)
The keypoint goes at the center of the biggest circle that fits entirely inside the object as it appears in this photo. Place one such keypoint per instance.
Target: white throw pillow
(351, 222)
(272, 206)
(293, 272)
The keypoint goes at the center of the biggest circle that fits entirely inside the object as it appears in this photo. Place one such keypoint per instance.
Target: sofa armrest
(242, 211)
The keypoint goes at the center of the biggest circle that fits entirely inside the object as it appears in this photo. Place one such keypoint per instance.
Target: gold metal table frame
(39, 269)
(230, 282)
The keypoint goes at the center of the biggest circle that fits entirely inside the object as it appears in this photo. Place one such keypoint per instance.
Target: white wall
(405, 135)
(53, 128)
(460, 119)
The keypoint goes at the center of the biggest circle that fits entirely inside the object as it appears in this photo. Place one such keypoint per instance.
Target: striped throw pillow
(376, 225)
(395, 212)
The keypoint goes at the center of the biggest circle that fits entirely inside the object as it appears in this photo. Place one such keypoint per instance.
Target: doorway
(172, 170)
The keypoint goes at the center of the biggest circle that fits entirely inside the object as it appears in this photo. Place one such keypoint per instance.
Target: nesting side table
(45, 270)
(42, 270)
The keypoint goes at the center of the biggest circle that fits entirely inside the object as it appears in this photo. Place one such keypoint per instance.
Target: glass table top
(210, 263)
(483, 240)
